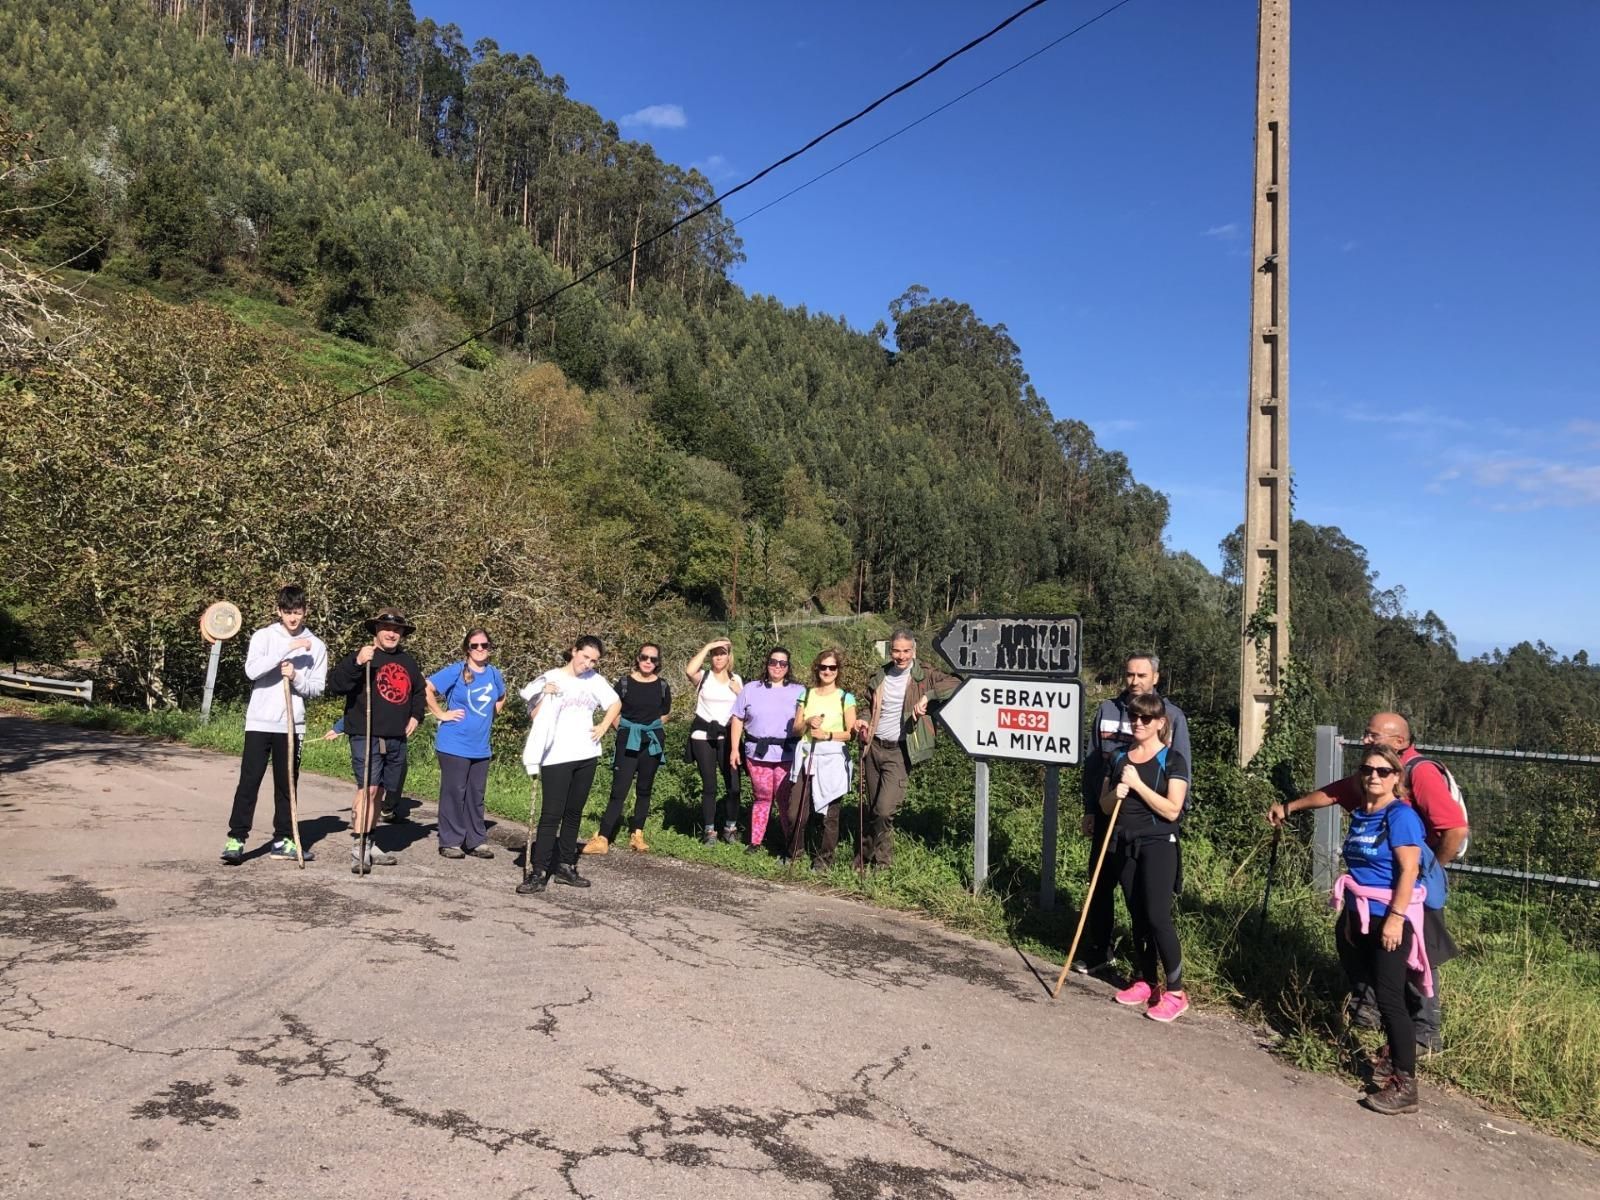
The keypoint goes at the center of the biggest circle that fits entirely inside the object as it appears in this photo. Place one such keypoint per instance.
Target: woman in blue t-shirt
(465, 696)
(1383, 856)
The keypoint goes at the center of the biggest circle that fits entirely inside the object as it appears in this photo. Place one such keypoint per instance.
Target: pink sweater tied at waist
(1418, 961)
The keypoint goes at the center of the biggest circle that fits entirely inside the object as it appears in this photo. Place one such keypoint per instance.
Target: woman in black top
(641, 747)
(1152, 780)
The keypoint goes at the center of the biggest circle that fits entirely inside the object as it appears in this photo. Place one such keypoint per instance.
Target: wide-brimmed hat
(391, 616)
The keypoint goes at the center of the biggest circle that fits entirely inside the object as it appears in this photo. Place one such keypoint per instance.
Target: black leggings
(1148, 874)
(623, 771)
(1367, 963)
(566, 790)
(712, 758)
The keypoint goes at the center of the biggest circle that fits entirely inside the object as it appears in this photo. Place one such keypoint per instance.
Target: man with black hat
(394, 708)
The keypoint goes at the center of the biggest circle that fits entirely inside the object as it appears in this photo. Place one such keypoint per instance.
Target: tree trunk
(633, 264)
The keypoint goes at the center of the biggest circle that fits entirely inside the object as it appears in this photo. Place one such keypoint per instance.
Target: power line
(541, 301)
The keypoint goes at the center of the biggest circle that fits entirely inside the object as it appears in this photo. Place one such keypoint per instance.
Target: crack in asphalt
(548, 1023)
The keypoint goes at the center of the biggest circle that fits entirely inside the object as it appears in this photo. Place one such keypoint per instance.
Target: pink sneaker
(1136, 993)
(1169, 1008)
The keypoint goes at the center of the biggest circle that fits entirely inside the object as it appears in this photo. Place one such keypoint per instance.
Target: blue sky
(1445, 181)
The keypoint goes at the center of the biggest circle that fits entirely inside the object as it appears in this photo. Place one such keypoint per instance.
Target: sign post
(217, 624)
(1021, 699)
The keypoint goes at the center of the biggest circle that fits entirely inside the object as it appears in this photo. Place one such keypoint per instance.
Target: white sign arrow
(1035, 720)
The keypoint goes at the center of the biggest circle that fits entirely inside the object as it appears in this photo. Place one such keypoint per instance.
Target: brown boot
(637, 843)
(1398, 1096)
(1381, 1068)
(598, 844)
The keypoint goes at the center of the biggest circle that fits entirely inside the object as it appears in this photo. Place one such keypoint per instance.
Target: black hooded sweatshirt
(397, 692)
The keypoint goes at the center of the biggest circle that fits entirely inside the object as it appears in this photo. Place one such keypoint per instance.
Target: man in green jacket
(896, 737)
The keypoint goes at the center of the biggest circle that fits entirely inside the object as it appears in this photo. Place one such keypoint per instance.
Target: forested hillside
(266, 204)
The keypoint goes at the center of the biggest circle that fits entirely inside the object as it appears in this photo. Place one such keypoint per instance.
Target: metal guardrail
(1327, 835)
(43, 685)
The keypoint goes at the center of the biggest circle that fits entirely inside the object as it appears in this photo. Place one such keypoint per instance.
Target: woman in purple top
(764, 742)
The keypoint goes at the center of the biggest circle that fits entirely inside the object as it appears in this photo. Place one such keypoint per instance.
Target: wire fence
(1535, 824)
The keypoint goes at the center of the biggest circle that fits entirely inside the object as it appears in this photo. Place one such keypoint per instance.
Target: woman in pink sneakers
(1152, 781)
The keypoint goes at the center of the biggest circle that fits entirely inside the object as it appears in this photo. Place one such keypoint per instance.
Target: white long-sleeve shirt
(268, 648)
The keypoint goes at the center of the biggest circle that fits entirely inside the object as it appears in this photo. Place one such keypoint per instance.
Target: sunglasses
(1380, 772)
(480, 645)
(827, 666)
(777, 662)
(649, 658)
(1141, 719)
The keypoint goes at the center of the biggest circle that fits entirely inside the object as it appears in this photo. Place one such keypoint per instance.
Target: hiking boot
(390, 810)
(730, 834)
(567, 873)
(709, 837)
(1136, 993)
(1398, 1096)
(598, 844)
(1091, 962)
(636, 842)
(357, 867)
(452, 852)
(1380, 1067)
(1170, 1007)
(1363, 1015)
(533, 884)
(481, 850)
(284, 848)
(380, 858)
(233, 852)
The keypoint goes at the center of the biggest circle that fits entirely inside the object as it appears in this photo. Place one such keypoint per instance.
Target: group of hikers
(793, 738)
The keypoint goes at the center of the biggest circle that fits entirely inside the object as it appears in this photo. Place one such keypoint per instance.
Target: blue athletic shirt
(1369, 848)
(468, 737)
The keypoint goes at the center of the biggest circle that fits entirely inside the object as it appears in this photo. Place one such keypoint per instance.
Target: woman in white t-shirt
(716, 688)
(564, 744)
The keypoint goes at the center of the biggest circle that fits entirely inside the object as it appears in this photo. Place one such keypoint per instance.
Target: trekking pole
(861, 812)
(527, 849)
(1088, 898)
(366, 776)
(1272, 871)
(294, 808)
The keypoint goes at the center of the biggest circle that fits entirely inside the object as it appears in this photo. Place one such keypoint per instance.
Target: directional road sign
(1020, 644)
(1036, 720)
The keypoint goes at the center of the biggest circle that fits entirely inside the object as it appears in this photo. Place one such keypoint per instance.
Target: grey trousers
(886, 773)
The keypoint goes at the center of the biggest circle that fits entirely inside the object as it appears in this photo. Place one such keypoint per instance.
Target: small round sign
(221, 621)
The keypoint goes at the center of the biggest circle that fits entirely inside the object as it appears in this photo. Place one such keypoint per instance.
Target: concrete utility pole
(1264, 637)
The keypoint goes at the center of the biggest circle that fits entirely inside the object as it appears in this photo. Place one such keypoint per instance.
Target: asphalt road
(170, 1026)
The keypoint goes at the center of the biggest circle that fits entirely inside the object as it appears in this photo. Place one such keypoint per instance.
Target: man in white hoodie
(283, 650)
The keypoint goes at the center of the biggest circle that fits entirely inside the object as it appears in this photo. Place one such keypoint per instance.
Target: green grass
(1522, 1004)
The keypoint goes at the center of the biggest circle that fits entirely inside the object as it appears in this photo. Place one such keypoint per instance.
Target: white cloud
(656, 116)
(1224, 233)
(716, 168)
(1349, 246)
(1530, 483)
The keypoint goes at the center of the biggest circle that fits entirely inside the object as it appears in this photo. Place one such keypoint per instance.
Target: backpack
(1429, 873)
(1455, 794)
(1121, 758)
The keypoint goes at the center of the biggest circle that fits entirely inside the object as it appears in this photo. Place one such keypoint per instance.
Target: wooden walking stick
(1088, 898)
(362, 866)
(861, 812)
(294, 808)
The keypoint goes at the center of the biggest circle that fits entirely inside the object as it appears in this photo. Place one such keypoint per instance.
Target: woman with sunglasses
(1152, 781)
(564, 746)
(1380, 918)
(825, 719)
(716, 688)
(763, 739)
(464, 697)
(641, 748)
